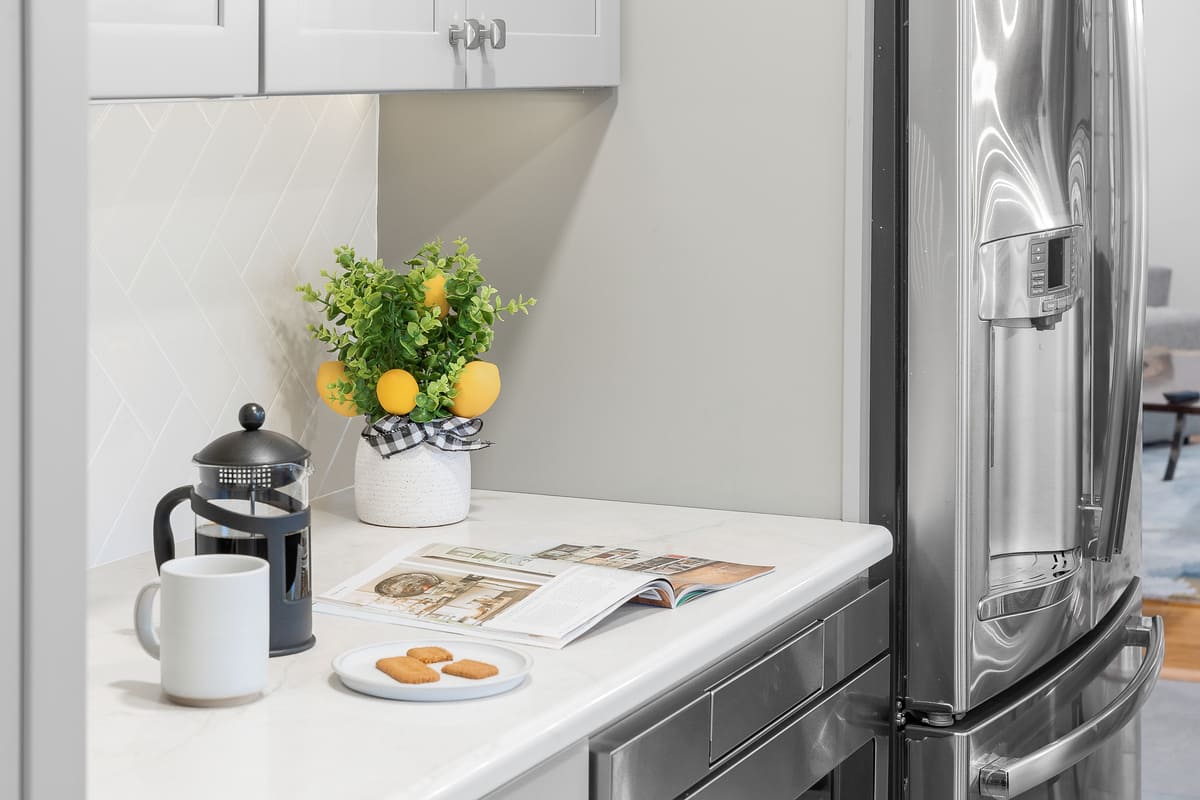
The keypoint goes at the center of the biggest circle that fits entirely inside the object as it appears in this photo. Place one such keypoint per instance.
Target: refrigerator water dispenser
(1030, 280)
(1027, 290)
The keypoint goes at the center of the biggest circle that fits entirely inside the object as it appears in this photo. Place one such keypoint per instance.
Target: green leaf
(376, 319)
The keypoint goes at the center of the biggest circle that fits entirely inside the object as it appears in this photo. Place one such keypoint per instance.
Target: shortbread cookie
(475, 670)
(406, 670)
(430, 655)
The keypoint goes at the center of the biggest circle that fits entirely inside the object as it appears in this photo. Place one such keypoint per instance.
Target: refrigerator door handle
(1129, 256)
(1009, 777)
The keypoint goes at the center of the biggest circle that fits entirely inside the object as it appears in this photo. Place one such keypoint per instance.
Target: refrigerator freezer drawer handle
(1010, 777)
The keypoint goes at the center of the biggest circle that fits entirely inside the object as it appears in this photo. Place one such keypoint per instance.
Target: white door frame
(45, 416)
(856, 336)
(10, 405)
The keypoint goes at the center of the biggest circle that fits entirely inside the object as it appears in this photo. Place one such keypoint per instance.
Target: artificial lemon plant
(408, 343)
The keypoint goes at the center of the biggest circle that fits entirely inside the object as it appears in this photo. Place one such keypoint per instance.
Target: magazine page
(659, 593)
(688, 576)
(575, 598)
(500, 595)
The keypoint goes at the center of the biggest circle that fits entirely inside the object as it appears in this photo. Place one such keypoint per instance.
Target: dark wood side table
(1171, 371)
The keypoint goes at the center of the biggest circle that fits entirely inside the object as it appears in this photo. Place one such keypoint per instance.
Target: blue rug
(1171, 525)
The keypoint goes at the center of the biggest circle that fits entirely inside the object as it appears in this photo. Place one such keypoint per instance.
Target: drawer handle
(1009, 777)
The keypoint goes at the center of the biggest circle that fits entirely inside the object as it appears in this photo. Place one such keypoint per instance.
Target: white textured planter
(420, 487)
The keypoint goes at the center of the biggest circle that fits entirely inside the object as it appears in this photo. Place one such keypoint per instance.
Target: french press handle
(164, 537)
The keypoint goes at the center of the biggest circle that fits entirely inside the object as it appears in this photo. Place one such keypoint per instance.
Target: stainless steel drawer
(801, 750)
(659, 761)
(726, 711)
(1070, 731)
(750, 700)
(822, 656)
(856, 633)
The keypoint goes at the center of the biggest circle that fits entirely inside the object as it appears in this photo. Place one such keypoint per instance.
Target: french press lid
(266, 470)
(252, 446)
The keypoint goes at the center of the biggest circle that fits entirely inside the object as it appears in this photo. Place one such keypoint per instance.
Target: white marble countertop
(312, 738)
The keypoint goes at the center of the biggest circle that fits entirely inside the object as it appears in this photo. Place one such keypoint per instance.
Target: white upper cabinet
(196, 48)
(181, 48)
(547, 43)
(361, 45)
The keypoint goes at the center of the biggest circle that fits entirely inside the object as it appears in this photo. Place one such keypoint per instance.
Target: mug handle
(143, 617)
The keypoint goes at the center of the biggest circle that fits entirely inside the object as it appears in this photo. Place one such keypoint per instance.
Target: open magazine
(546, 599)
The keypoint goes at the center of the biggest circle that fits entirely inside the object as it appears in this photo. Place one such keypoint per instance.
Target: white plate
(357, 670)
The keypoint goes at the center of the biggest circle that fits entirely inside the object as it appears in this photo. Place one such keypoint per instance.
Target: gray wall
(1173, 105)
(684, 237)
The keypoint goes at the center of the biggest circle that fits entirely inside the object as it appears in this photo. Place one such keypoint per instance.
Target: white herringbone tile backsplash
(204, 217)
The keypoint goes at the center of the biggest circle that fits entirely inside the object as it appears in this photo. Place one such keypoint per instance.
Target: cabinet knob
(496, 33)
(469, 33)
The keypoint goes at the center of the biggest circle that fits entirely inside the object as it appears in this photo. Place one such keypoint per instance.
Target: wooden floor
(1182, 622)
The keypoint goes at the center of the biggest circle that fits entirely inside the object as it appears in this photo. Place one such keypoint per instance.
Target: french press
(251, 498)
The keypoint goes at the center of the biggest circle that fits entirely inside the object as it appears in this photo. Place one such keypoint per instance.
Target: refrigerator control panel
(1029, 278)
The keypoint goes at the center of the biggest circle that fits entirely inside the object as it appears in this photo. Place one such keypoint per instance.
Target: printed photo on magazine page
(441, 597)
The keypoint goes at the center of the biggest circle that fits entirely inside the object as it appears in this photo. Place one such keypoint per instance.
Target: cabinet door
(184, 48)
(549, 43)
(361, 45)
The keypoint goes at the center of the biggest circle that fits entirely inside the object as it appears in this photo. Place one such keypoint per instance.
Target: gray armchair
(1174, 329)
(1168, 326)
(1158, 287)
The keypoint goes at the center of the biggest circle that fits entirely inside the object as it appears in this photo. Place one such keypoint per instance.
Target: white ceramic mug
(214, 640)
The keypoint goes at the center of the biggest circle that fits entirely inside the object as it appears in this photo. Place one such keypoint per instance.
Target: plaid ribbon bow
(395, 434)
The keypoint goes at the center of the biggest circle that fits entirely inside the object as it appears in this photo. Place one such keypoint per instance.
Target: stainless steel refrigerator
(1025, 656)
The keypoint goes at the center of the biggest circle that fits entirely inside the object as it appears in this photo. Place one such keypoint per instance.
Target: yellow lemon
(397, 391)
(477, 388)
(435, 294)
(333, 372)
